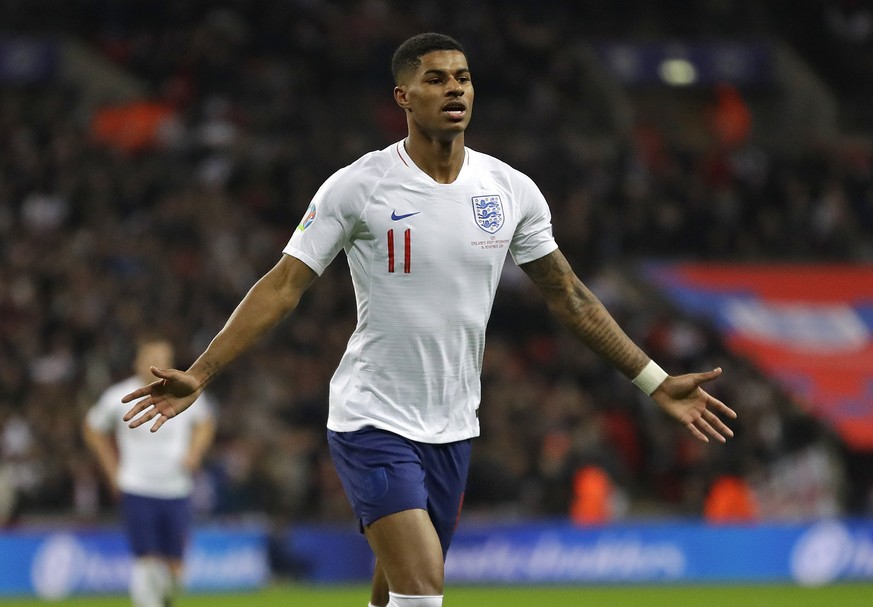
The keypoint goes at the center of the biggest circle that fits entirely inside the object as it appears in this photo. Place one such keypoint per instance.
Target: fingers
(140, 413)
(144, 391)
(697, 433)
(714, 426)
(697, 409)
(700, 428)
(720, 407)
(701, 378)
(134, 410)
(158, 423)
(162, 373)
(149, 409)
(717, 426)
(144, 411)
(708, 424)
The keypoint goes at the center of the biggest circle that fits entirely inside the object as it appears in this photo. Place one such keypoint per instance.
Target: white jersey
(425, 260)
(150, 464)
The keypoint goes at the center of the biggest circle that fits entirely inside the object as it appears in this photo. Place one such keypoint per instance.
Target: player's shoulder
(484, 160)
(105, 414)
(499, 170)
(368, 169)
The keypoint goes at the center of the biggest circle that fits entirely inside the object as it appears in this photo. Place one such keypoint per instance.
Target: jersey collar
(400, 150)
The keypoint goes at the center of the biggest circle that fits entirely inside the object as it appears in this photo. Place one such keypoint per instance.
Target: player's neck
(440, 159)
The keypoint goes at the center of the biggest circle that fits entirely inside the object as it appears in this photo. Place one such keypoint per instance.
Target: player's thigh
(175, 525)
(141, 521)
(384, 473)
(381, 472)
(446, 466)
(409, 551)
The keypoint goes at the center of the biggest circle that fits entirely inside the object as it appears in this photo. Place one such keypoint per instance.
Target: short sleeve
(533, 236)
(328, 222)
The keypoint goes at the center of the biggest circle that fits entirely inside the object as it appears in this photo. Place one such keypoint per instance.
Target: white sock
(407, 600)
(164, 581)
(145, 584)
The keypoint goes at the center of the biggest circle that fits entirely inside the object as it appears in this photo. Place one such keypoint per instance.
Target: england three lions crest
(488, 211)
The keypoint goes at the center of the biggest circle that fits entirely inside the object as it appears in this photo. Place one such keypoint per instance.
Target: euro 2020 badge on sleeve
(308, 218)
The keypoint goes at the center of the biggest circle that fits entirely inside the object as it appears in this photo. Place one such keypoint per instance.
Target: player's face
(438, 96)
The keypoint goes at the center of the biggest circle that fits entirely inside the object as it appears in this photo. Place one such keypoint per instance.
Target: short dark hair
(408, 55)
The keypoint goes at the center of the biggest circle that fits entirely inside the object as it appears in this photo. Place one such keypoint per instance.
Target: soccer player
(152, 476)
(425, 224)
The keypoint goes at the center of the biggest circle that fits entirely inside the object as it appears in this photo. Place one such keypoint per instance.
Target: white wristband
(650, 378)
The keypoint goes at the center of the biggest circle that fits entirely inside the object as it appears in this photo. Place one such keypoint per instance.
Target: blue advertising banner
(53, 565)
(59, 564)
(812, 553)
(329, 553)
(809, 554)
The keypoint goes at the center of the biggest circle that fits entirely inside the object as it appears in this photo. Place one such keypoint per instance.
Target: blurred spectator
(730, 500)
(593, 497)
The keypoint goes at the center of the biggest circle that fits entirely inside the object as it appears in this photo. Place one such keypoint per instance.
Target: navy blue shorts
(383, 473)
(156, 526)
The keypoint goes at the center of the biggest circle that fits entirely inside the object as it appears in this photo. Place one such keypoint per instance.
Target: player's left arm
(202, 435)
(589, 320)
(582, 312)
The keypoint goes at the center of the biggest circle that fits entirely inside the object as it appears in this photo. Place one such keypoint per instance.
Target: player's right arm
(270, 300)
(102, 446)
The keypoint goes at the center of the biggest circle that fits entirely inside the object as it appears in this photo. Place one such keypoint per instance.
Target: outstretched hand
(167, 397)
(684, 400)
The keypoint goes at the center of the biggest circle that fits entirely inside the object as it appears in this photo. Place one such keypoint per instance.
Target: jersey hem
(145, 492)
(441, 439)
(537, 253)
(309, 261)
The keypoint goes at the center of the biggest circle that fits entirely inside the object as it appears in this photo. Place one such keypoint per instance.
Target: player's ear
(401, 97)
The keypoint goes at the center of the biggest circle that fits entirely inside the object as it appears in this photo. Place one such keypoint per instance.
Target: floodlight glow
(677, 72)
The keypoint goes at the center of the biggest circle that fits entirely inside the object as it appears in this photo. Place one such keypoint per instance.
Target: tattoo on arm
(580, 310)
(211, 369)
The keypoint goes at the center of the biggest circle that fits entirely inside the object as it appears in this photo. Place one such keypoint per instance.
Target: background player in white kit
(425, 224)
(152, 476)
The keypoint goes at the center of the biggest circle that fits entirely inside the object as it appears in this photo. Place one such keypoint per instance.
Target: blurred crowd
(269, 98)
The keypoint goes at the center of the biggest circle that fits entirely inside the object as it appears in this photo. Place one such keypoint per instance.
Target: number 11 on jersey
(407, 251)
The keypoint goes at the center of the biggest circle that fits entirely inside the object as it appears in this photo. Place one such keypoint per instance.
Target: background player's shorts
(156, 525)
(383, 473)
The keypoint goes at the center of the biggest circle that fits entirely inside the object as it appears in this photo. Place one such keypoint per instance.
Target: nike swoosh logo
(396, 217)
